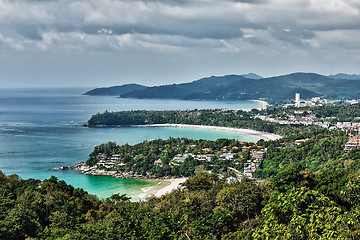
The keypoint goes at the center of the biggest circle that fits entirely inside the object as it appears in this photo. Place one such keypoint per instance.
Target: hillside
(116, 90)
(236, 87)
(309, 194)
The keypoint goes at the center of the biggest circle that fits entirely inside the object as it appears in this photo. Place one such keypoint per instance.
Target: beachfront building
(297, 100)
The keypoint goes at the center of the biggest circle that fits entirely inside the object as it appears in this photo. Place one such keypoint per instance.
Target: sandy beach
(263, 135)
(173, 184)
(263, 104)
(164, 186)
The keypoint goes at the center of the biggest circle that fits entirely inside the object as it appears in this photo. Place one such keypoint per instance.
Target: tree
(201, 182)
(293, 175)
(304, 214)
(242, 199)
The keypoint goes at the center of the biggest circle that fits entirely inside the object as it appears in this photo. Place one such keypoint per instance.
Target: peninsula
(238, 120)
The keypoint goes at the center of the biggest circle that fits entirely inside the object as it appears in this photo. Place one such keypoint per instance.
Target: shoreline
(263, 135)
(263, 104)
(164, 186)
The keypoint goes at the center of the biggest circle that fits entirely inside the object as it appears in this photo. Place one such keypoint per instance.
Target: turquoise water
(40, 129)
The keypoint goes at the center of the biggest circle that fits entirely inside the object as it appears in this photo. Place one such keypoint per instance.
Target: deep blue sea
(40, 129)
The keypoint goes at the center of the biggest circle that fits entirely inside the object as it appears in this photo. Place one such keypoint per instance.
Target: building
(299, 141)
(354, 142)
(158, 162)
(227, 156)
(245, 148)
(297, 99)
(258, 154)
(206, 150)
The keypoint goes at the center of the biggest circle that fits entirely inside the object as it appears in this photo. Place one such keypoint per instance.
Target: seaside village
(113, 165)
(307, 118)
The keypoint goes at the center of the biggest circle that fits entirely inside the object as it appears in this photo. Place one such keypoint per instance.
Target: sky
(68, 43)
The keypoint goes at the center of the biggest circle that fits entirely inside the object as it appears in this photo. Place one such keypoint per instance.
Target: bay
(40, 129)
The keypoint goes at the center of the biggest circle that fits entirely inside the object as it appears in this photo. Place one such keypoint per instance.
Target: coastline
(164, 186)
(263, 135)
(263, 104)
(174, 184)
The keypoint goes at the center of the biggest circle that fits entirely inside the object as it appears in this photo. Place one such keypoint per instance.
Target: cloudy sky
(112, 42)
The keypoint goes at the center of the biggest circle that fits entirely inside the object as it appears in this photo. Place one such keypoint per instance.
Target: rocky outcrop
(88, 170)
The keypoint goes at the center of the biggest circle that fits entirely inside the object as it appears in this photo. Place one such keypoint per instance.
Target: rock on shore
(87, 170)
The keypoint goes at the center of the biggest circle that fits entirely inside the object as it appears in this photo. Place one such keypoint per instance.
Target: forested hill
(232, 87)
(116, 90)
(221, 118)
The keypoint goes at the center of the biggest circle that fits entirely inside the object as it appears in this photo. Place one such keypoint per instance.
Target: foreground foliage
(206, 208)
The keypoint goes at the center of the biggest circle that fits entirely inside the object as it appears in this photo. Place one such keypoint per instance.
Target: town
(299, 113)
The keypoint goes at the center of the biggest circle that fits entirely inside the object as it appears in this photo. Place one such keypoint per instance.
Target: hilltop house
(158, 162)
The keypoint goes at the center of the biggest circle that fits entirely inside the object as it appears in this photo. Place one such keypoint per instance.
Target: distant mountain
(345, 76)
(252, 76)
(199, 89)
(233, 87)
(116, 90)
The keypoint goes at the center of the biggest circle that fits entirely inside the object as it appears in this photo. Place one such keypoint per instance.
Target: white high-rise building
(297, 99)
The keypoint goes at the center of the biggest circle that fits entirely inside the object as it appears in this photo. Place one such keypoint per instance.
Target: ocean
(40, 129)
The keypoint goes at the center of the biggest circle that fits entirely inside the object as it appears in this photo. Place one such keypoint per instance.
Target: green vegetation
(321, 151)
(223, 118)
(317, 151)
(298, 204)
(311, 191)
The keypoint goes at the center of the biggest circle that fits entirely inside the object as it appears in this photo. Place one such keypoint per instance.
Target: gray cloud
(184, 30)
(294, 36)
(30, 31)
(192, 19)
(251, 1)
